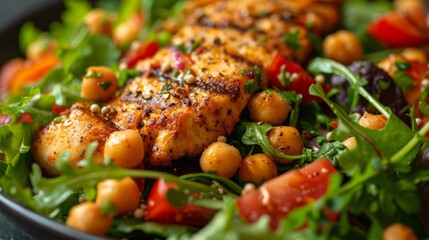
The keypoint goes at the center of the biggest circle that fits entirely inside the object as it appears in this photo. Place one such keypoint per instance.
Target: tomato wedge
(299, 85)
(160, 210)
(400, 30)
(144, 51)
(277, 197)
(31, 71)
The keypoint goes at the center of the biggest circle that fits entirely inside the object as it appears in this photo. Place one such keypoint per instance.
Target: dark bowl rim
(23, 216)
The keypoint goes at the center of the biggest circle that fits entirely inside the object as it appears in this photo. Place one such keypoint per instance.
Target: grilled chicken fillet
(224, 46)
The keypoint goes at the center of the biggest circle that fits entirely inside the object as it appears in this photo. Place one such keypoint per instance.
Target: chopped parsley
(400, 77)
(188, 49)
(167, 86)
(94, 75)
(105, 85)
(402, 65)
(251, 86)
(292, 39)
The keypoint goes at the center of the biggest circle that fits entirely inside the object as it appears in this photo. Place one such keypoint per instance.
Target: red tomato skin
(160, 210)
(277, 197)
(301, 85)
(58, 110)
(398, 30)
(144, 51)
(26, 118)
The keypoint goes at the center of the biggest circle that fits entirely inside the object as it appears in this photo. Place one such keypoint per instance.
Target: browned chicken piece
(177, 118)
(74, 135)
(185, 99)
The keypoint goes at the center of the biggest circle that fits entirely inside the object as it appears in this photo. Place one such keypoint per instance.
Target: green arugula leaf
(227, 184)
(294, 99)
(70, 19)
(177, 198)
(404, 81)
(51, 192)
(226, 223)
(370, 144)
(331, 151)
(127, 9)
(156, 10)
(94, 50)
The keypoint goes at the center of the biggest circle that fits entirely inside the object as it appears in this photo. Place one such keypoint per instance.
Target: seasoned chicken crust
(234, 39)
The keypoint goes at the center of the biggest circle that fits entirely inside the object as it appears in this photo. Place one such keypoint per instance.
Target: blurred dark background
(13, 13)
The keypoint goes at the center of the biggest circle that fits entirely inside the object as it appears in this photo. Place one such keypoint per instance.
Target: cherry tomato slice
(144, 51)
(159, 209)
(399, 30)
(277, 197)
(299, 85)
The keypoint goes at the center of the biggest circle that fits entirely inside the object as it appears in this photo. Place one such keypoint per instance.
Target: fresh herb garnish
(94, 75)
(251, 86)
(292, 39)
(402, 79)
(105, 85)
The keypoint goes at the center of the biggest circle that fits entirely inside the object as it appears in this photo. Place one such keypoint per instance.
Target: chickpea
(350, 143)
(123, 194)
(99, 21)
(257, 168)
(372, 121)
(287, 140)
(220, 158)
(398, 231)
(343, 46)
(269, 107)
(99, 84)
(127, 31)
(125, 148)
(415, 54)
(88, 217)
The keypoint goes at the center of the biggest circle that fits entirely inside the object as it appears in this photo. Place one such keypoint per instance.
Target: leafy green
(226, 225)
(358, 18)
(227, 184)
(51, 192)
(127, 9)
(292, 39)
(28, 105)
(127, 227)
(256, 134)
(70, 19)
(295, 100)
(88, 50)
(370, 144)
(156, 10)
(27, 35)
(331, 150)
(402, 79)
